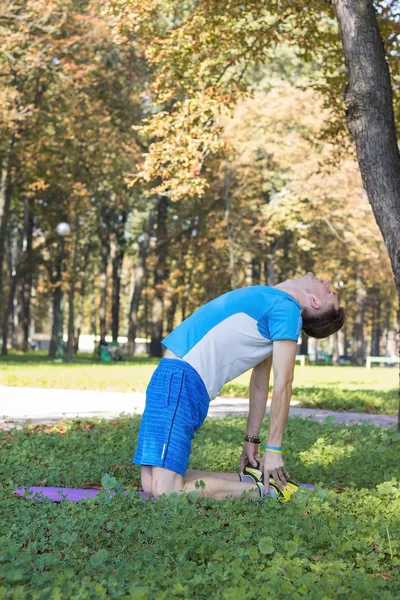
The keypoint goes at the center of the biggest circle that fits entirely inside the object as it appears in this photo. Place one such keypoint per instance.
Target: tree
(370, 118)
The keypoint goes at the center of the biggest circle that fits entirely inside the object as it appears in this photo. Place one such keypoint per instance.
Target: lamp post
(63, 229)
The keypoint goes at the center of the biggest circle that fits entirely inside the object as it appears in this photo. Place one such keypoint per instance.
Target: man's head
(322, 314)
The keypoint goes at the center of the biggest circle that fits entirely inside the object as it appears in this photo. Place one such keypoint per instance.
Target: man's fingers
(279, 478)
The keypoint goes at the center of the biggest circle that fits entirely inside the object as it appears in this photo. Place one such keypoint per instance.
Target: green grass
(335, 388)
(338, 388)
(342, 541)
(85, 373)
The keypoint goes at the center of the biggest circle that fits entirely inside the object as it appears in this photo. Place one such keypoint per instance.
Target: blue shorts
(176, 405)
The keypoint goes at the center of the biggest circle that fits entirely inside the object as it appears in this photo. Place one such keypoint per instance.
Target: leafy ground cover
(332, 388)
(341, 541)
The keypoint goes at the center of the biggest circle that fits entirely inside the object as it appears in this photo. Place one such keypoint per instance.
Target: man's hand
(249, 455)
(272, 465)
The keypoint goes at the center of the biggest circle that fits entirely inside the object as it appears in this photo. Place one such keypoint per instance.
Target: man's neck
(293, 288)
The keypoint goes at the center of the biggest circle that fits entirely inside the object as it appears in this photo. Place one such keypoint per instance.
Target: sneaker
(253, 474)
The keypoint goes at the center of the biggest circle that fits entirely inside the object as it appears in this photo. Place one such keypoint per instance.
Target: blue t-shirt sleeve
(283, 321)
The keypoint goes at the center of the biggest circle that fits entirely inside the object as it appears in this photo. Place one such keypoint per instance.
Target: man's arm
(259, 384)
(284, 356)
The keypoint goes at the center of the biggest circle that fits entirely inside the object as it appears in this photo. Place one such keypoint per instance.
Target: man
(255, 327)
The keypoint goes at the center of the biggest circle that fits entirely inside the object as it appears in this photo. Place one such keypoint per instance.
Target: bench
(389, 360)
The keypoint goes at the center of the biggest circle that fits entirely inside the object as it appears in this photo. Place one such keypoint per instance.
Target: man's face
(321, 288)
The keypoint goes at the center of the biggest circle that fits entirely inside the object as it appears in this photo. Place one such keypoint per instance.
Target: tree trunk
(105, 252)
(358, 326)
(256, 271)
(376, 328)
(335, 348)
(14, 267)
(173, 305)
(269, 266)
(370, 118)
(5, 202)
(159, 278)
(117, 261)
(93, 315)
(82, 293)
(71, 295)
(304, 343)
(26, 282)
(138, 278)
(57, 303)
(229, 234)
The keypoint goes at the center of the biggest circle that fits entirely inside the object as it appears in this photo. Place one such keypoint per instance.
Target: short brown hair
(322, 324)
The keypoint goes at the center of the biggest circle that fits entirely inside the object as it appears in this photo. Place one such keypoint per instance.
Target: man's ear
(314, 303)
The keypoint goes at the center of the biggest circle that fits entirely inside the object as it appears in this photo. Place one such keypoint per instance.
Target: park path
(19, 406)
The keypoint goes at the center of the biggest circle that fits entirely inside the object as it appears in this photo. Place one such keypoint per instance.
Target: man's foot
(251, 473)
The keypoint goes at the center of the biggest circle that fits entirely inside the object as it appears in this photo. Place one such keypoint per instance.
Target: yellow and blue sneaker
(254, 474)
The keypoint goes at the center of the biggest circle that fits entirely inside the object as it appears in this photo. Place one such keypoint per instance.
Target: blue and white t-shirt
(234, 332)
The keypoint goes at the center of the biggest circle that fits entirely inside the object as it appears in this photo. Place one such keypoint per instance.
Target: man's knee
(147, 477)
(166, 482)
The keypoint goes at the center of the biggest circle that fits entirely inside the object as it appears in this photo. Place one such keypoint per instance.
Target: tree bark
(229, 234)
(159, 278)
(82, 293)
(117, 261)
(57, 300)
(105, 252)
(358, 326)
(304, 343)
(15, 265)
(138, 279)
(370, 118)
(376, 326)
(256, 271)
(26, 279)
(5, 203)
(71, 295)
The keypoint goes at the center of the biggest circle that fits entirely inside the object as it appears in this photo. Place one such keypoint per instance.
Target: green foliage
(322, 544)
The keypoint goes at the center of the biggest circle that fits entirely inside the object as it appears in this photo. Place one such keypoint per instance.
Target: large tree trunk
(370, 118)
(138, 279)
(159, 278)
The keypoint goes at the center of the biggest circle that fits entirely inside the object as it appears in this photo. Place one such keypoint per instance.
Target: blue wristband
(277, 448)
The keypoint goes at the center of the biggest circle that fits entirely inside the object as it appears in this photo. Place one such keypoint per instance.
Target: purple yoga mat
(57, 494)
